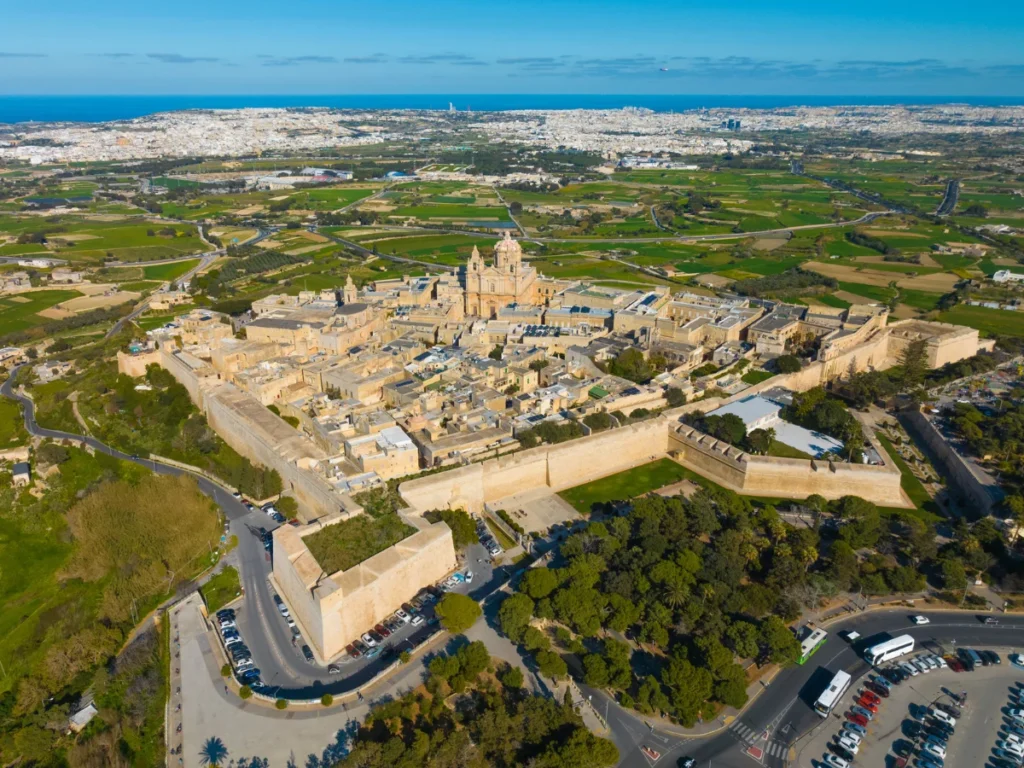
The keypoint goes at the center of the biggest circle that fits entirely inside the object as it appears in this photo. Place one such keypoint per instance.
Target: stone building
(489, 287)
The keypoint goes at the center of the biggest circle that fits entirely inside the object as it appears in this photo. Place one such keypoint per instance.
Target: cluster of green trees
(867, 241)
(998, 434)
(656, 575)
(814, 409)
(493, 723)
(549, 432)
(792, 282)
(631, 364)
(732, 430)
(249, 262)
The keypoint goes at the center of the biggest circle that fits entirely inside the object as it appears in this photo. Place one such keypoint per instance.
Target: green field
(19, 312)
(221, 589)
(756, 377)
(12, 427)
(624, 485)
(989, 321)
(168, 271)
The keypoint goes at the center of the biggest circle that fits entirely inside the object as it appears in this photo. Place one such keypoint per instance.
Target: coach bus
(831, 696)
(811, 643)
(890, 649)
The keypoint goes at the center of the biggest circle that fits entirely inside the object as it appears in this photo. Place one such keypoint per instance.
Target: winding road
(776, 720)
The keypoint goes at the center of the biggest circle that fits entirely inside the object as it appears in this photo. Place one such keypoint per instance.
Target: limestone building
(489, 287)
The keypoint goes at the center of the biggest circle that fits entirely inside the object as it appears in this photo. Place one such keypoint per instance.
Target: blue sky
(559, 46)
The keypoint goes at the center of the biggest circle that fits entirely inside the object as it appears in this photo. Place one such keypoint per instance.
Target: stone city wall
(981, 490)
(784, 478)
(554, 466)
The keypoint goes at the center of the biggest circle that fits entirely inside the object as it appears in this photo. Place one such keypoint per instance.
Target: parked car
(936, 750)
(233, 640)
(361, 647)
(992, 656)
(381, 630)
(909, 669)
(1017, 660)
(855, 737)
(308, 653)
(835, 761)
(942, 717)
(860, 720)
(352, 651)
(860, 730)
(469, 577)
(870, 696)
(367, 638)
(225, 613)
(402, 616)
(849, 745)
(879, 690)
(865, 713)
(333, 669)
(417, 619)
(869, 705)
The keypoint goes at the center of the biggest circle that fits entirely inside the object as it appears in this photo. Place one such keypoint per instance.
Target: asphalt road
(949, 202)
(784, 708)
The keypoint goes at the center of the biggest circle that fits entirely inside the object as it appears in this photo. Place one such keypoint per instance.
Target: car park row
(241, 658)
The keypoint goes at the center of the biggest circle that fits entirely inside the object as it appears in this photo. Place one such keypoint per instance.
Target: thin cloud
(13, 55)
(177, 58)
(457, 59)
(112, 55)
(291, 61)
(377, 58)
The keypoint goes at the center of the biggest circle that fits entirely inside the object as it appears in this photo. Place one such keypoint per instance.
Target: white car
(835, 761)
(1013, 749)
(232, 641)
(941, 716)
(920, 619)
(417, 619)
(851, 735)
(368, 639)
(910, 669)
(849, 745)
(1015, 739)
(921, 665)
(402, 616)
(227, 625)
(940, 661)
(934, 749)
(469, 577)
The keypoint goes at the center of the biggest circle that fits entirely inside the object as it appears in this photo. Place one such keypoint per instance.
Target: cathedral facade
(489, 287)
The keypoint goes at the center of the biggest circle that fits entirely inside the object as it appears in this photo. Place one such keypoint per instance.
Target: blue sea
(94, 109)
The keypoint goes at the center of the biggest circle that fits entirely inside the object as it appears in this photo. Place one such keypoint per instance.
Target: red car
(870, 696)
(868, 705)
(858, 719)
(382, 630)
(954, 664)
(352, 651)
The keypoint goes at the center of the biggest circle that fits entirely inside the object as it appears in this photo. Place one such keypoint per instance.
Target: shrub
(405, 657)
(225, 671)
(281, 704)
(327, 699)
(245, 692)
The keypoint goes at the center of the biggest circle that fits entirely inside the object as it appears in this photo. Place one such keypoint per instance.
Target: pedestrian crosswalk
(751, 737)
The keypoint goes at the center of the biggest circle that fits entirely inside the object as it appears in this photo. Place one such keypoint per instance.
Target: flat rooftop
(344, 545)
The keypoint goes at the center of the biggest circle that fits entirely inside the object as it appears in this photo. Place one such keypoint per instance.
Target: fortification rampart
(784, 478)
(335, 609)
(553, 466)
(981, 490)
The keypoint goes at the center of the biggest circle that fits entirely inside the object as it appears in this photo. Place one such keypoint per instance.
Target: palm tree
(213, 752)
(675, 594)
(706, 591)
(770, 439)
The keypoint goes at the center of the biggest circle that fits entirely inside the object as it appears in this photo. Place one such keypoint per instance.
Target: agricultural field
(83, 241)
(443, 249)
(990, 322)
(330, 199)
(168, 271)
(21, 311)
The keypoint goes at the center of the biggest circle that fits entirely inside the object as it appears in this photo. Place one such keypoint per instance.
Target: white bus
(831, 696)
(810, 644)
(890, 649)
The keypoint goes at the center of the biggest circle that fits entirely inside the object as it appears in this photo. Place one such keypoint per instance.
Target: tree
(512, 677)
(630, 364)
(742, 636)
(552, 665)
(245, 692)
(689, 687)
(496, 352)
(463, 529)
(954, 575)
(913, 360)
(595, 670)
(787, 363)
(457, 612)
(514, 615)
(778, 642)
(674, 397)
(539, 582)
(515, 208)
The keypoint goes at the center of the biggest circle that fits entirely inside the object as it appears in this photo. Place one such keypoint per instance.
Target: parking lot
(911, 716)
